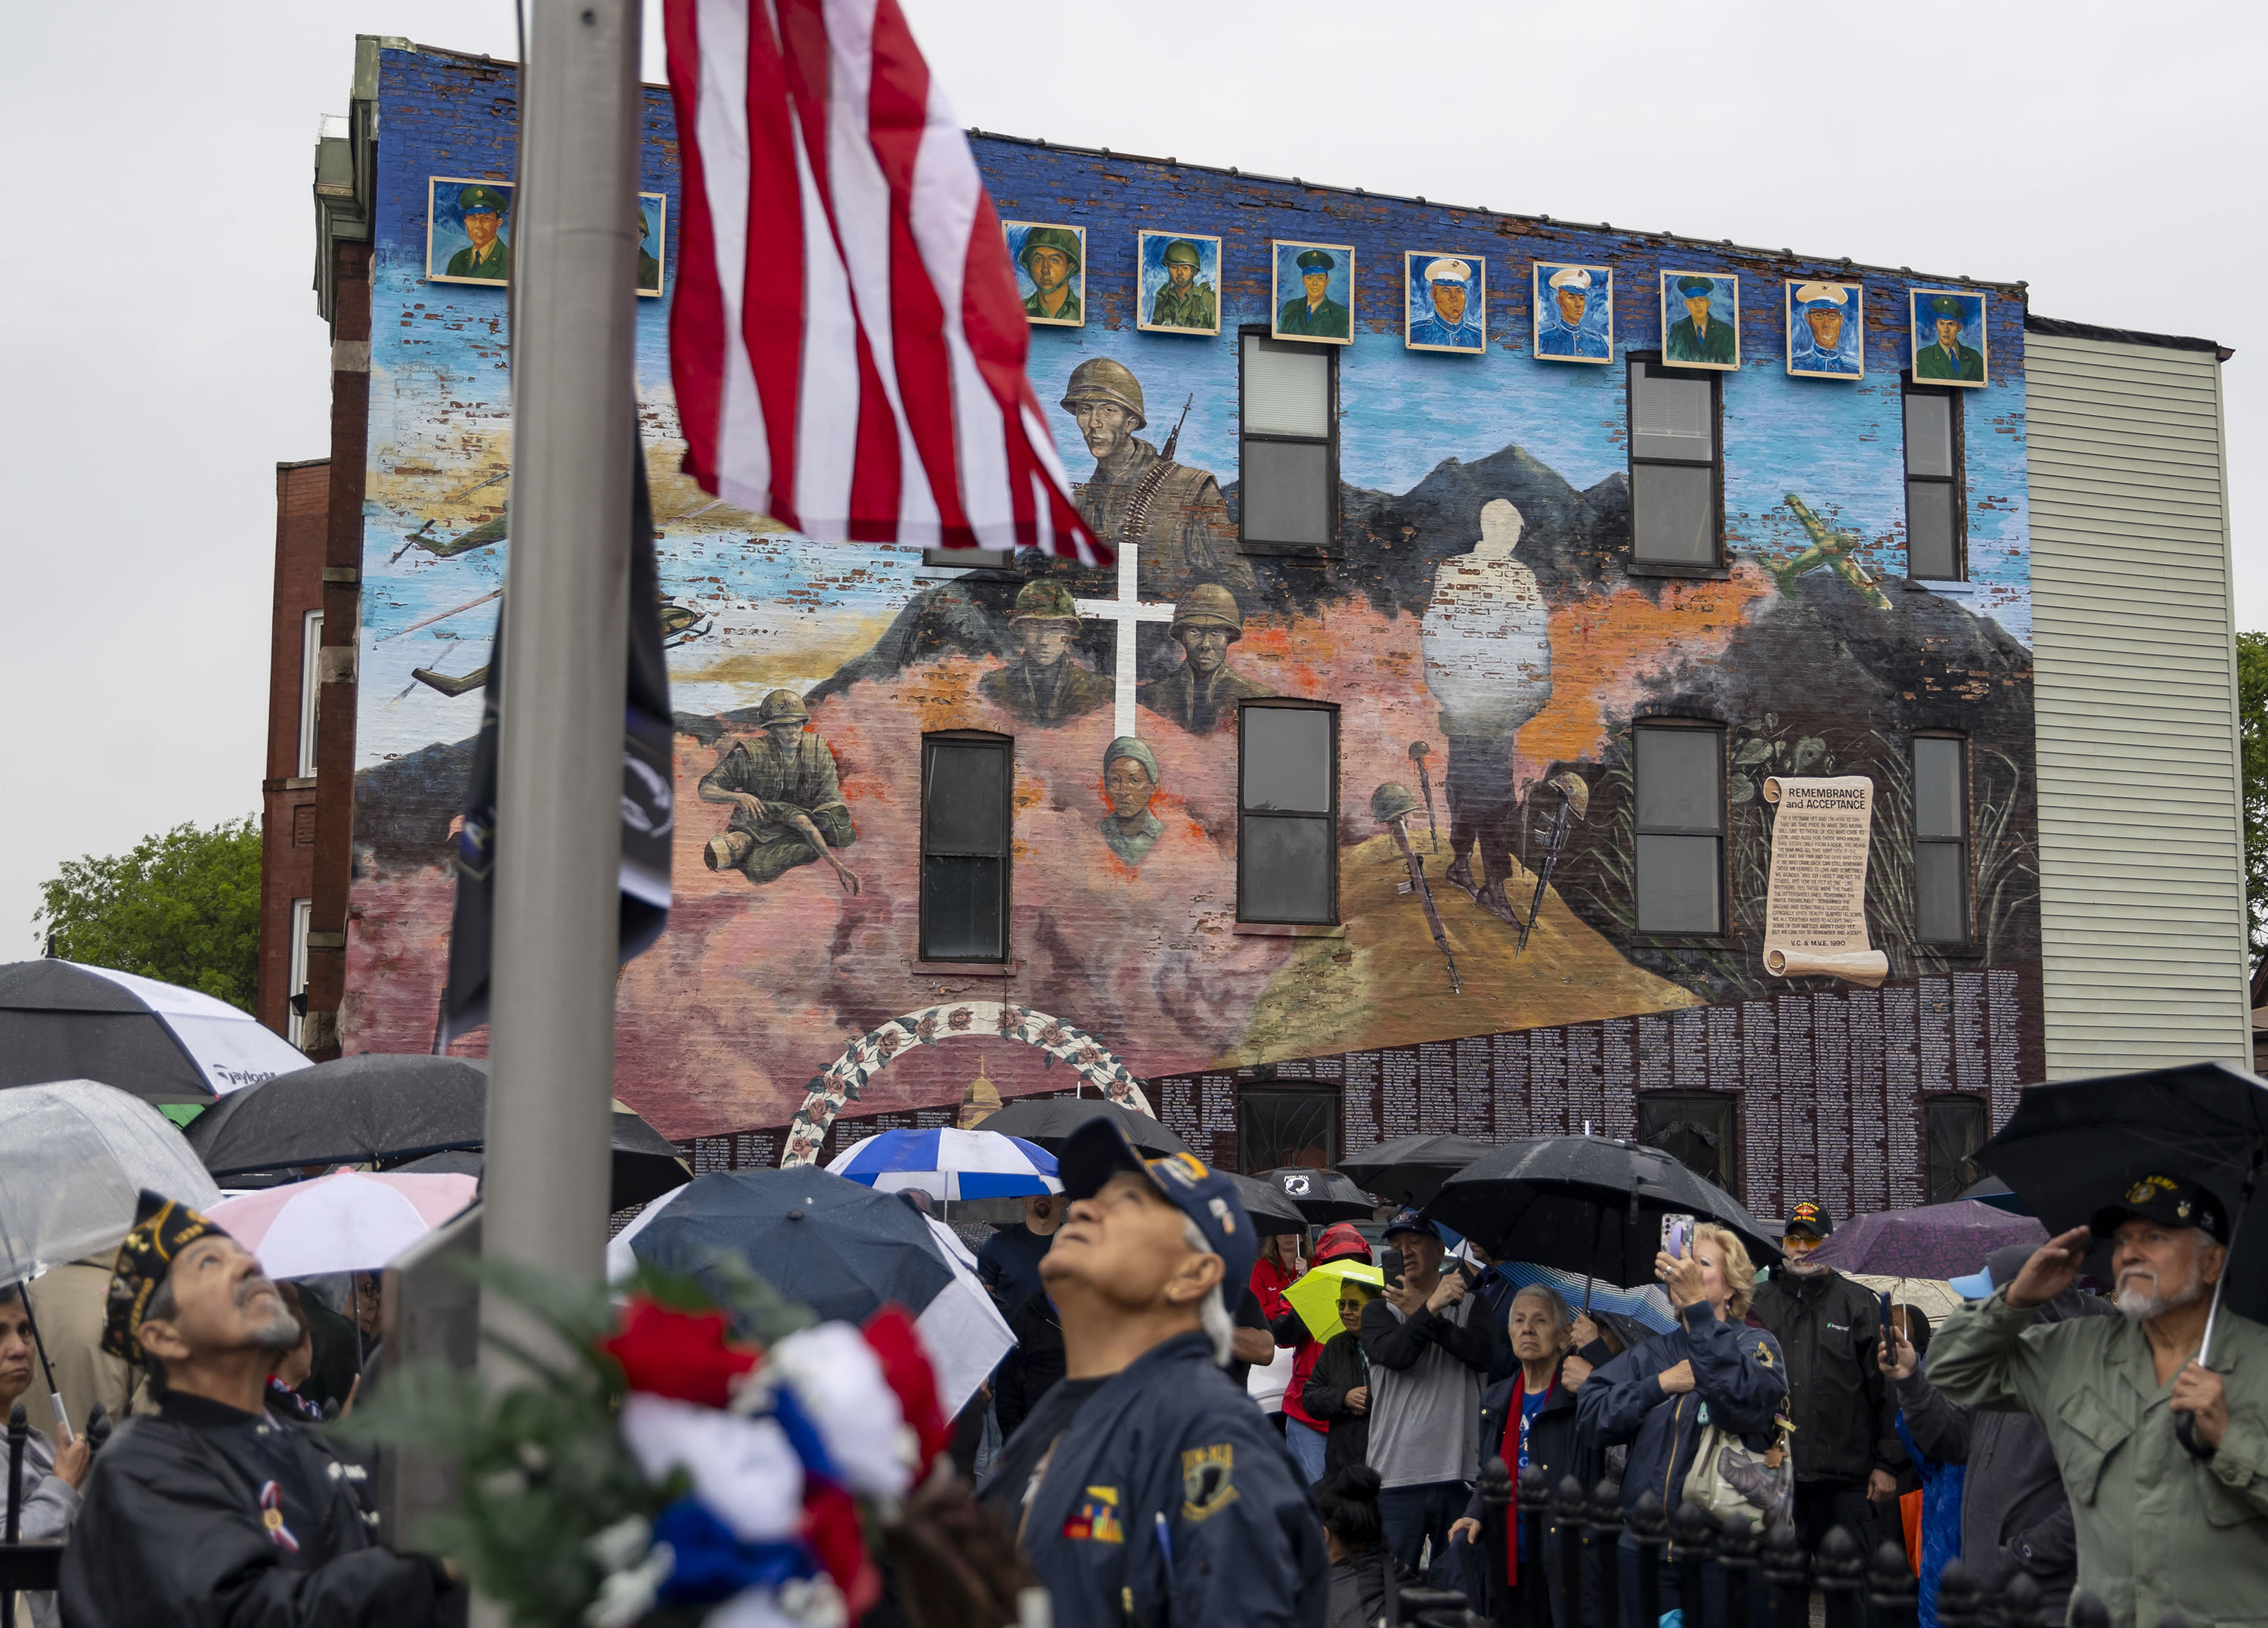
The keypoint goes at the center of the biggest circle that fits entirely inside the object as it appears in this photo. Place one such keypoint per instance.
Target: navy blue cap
(1099, 1150)
(2168, 1201)
(1410, 1221)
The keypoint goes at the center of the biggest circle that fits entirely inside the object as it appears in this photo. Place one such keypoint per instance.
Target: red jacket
(1339, 1242)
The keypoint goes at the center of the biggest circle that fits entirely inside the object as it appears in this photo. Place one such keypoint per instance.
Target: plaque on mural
(1815, 910)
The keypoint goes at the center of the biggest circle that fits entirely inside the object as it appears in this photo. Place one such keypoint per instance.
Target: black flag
(649, 795)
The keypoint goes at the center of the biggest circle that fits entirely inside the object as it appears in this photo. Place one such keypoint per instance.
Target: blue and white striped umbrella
(950, 1164)
(1646, 1304)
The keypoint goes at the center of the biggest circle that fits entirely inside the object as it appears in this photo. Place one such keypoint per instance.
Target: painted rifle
(1574, 803)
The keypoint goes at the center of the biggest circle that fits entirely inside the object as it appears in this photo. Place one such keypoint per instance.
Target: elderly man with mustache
(2161, 1526)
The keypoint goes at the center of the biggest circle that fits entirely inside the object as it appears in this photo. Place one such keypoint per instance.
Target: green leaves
(183, 907)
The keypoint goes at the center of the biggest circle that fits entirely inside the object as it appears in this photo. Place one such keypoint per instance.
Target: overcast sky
(161, 353)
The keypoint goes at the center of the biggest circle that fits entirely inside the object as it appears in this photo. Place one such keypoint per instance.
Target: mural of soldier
(648, 266)
(787, 806)
(1173, 514)
(1486, 636)
(1948, 358)
(1043, 685)
(1201, 695)
(1050, 258)
(482, 208)
(1698, 336)
(1130, 779)
(1313, 313)
(1184, 302)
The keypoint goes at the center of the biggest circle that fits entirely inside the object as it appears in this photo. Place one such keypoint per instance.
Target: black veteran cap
(2171, 1203)
(163, 1227)
(1811, 1217)
(1099, 1150)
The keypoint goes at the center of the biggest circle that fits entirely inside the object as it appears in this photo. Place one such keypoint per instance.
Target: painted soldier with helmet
(1201, 695)
(787, 804)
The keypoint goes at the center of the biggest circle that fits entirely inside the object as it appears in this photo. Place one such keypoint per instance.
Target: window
(1936, 511)
(1288, 458)
(311, 688)
(1681, 828)
(971, 559)
(965, 807)
(1287, 833)
(303, 913)
(1941, 839)
(1953, 1130)
(1279, 1128)
(1698, 1131)
(1676, 476)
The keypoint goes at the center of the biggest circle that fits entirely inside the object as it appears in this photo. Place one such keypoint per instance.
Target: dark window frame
(1289, 703)
(1965, 841)
(1722, 834)
(997, 561)
(1960, 1180)
(1005, 745)
(1655, 367)
(1729, 1101)
(1957, 422)
(1251, 1095)
(1330, 441)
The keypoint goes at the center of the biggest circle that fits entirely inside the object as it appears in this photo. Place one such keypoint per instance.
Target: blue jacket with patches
(1169, 1435)
(1737, 1371)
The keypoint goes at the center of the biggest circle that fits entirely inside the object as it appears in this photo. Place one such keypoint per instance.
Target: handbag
(1731, 1477)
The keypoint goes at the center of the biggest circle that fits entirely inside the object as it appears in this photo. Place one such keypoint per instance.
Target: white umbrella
(61, 1020)
(349, 1221)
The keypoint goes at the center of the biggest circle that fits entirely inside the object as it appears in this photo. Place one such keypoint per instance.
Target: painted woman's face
(1130, 788)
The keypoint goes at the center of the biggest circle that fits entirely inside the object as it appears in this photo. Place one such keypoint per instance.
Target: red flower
(890, 1335)
(830, 1527)
(676, 1353)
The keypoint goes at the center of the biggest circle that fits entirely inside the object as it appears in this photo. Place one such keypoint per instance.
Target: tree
(183, 907)
(2252, 744)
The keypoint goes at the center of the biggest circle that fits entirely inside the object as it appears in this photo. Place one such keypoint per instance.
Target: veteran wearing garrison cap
(1819, 345)
(1559, 329)
(1697, 337)
(1948, 358)
(482, 210)
(1314, 313)
(1201, 695)
(1184, 301)
(1050, 257)
(1449, 288)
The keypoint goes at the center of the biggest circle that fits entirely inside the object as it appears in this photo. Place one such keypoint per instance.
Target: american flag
(846, 343)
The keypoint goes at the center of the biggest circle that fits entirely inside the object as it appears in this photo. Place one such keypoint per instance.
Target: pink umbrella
(350, 1220)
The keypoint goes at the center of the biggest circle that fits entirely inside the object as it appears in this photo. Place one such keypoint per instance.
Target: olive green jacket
(2158, 1530)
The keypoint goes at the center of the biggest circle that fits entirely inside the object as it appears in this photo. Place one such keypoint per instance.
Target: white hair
(1212, 1311)
(1562, 1318)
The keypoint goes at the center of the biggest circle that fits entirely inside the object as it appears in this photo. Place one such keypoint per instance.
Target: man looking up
(2162, 1526)
(1144, 1488)
(215, 1511)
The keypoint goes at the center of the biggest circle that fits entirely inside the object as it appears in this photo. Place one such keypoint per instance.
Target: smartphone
(1389, 1265)
(1887, 1319)
(1676, 1235)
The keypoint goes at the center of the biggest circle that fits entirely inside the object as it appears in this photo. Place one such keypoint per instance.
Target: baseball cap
(1813, 1218)
(2168, 1201)
(1099, 1150)
(1412, 1221)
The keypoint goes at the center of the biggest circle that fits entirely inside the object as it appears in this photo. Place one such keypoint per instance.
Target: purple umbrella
(1939, 1240)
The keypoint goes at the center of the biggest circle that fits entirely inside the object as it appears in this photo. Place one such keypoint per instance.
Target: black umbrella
(60, 1021)
(375, 1107)
(1270, 1211)
(1409, 1169)
(1588, 1204)
(1049, 1121)
(837, 1246)
(2076, 1145)
(1322, 1195)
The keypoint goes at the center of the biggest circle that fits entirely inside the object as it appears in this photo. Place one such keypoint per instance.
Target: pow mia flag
(649, 796)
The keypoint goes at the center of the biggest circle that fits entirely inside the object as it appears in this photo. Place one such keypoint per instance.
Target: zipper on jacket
(1677, 1429)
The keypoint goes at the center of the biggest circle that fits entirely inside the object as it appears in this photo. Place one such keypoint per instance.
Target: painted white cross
(1129, 609)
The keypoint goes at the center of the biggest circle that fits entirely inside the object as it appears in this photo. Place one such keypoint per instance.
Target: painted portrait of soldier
(468, 230)
(1180, 276)
(1050, 271)
(1826, 329)
(1201, 694)
(1172, 514)
(1574, 312)
(1444, 302)
(787, 804)
(652, 228)
(1129, 781)
(1043, 683)
(1701, 319)
(1313, 293)
(1949, 346)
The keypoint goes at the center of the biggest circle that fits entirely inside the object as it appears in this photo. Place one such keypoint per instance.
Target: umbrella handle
(2185, 1422)
(64, 1434)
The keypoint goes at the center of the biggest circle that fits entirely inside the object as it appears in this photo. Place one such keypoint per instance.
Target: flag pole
(559, 769)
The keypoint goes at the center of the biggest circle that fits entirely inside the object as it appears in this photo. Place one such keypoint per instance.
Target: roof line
(502, 61)
(1721, 245)
(2056, 328)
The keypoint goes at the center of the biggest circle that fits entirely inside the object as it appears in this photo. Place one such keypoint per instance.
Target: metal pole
(560, 753)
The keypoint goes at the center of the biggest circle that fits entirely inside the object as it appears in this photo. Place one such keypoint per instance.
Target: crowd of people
(2071, 1436)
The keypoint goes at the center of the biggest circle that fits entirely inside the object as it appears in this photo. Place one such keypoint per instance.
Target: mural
(1179, 275)
(1826, 330)
(1708, 334)
(467, 237)
(1949, 341)
(1050, 271)
(1444, 302)
(653, 233)
(1478, 629)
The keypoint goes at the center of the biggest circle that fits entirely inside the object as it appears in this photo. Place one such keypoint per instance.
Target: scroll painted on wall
(1179, 274)
(1826, 330)
(1816, 902)
(653, 233)
(1050, 271)
(468, 229)
(1444, 302)
(1313, 293)
(1574, 309)
(1949, 346)
(1701, 320)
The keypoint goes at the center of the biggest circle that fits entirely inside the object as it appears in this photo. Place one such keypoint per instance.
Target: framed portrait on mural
(653, 238)
(1178, 276)
(1312, 292)
(468, 229)
(1701, 319)
(1826, 329)
(1575, 310)
(1050, 271)
(1444, 301)
(1949, 343)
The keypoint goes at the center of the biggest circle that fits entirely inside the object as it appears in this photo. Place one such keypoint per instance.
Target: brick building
(1484, 578)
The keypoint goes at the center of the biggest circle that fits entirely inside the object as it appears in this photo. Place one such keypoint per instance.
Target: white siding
(2141, 839)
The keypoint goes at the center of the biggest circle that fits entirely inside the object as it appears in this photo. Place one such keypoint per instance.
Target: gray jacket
(51, 1506)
